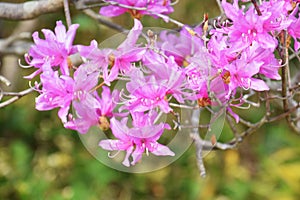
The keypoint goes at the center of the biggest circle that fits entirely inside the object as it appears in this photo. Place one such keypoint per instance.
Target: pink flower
(205, 83)
(54, 49)
(100, 58)
(181, 46)
(57, 92)
(294, 28)
(170, 75)
(91, 111)
(240, 74)
(277, 12)
(121, 59)
(146, 93)
(61, 90)
(142, 7)
(247, 27)
(197, 80)
(219, 51)
(140, 119)
(135, 141)
(270, 65)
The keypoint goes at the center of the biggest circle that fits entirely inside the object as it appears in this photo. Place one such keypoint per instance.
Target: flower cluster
(247, 43)
(159, 72)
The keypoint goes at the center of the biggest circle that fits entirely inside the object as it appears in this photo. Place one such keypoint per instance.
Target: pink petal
(162, 150)
(31, 76)
(233, 114)
(258, 85)
(110, 145)
(132, 36)
(112, 11)
(63, 112)
(126, 159)
(60, 31)
(119, 129)
(68, 41)
(137, 154)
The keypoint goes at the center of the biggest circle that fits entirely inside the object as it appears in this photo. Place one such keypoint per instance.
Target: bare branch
(256, 7)
(13, 45)
(203, 144)
(295, 54)
(5, 80)
(220, 6)
(198, 142)
(247, 132)
(17, 96)
(283, 54)
(199, 146)
(28, 10)
(88, 4)
(232, 126)
(103, 21)
(286, 83)
(283, 115)
(67, 13)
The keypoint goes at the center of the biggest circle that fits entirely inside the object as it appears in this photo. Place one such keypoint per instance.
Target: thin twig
(248, 131)
(268, 105)
(8, 45)
(67, 13)
(216, 115)
(5, 80)
(207, 145)
(256, 7)
(284, 54)
(105, 22)
(283, 115)
(220, 7)
(284, 76)
(16, 97)
(88, 4)
(233, 127)
(198, 143)
(295, 54)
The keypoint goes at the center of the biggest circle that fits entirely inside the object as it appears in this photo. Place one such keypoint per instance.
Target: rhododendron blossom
(126, 90)
(135, 141)
(54, 49)
(146, 93)
(93, 111)
(119, 60)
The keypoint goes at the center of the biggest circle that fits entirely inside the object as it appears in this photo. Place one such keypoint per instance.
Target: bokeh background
(39, 159)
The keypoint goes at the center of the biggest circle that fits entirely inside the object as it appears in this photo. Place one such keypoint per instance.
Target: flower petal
(162, 150)
(112, 11)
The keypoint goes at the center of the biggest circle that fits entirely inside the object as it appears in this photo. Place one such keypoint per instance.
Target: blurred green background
(39, 159)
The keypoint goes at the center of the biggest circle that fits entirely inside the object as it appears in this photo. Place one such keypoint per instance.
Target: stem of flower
(97, 87)
(284, 69)
(67, 13)
(256, 7)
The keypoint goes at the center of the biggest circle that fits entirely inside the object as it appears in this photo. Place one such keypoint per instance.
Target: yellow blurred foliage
(233, 167)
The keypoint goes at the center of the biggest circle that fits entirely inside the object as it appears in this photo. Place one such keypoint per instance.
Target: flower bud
(103, 123)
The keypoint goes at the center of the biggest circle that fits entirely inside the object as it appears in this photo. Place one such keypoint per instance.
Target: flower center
(226, 77)
(204, 101)
(135, 14)
(111, 59)
(185, 63)
(103, 123)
